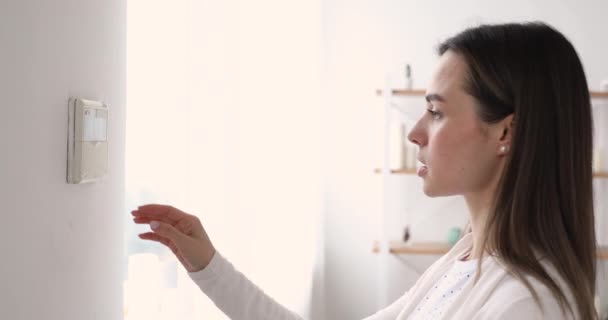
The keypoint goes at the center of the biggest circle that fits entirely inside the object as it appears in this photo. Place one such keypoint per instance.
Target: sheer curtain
(223, 121)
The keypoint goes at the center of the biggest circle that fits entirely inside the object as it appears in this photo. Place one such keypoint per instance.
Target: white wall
(364, 40)
(61, 244)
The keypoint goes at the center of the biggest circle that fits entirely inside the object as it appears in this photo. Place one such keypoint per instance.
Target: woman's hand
(183, 233)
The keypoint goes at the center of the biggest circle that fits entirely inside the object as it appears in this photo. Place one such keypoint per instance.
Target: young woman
(509, 127)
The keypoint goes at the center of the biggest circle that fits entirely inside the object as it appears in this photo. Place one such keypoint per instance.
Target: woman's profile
(509, 127)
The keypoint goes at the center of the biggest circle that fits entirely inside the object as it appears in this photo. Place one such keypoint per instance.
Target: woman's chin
(432, 191)
(427, 189)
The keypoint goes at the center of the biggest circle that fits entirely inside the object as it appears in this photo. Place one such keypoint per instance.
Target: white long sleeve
(523, 309)
(496, 296)
(391, 312)
(240, 299)
(527, 309)
(236, 295)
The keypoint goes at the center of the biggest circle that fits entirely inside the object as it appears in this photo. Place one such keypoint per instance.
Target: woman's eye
(434, 114)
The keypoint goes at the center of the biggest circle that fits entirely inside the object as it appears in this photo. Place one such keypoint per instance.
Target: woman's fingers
(159, 212)
(145, 220)
(168, 231)
(184, 226)
(154, 237)
(141, 220)
(153, 207)
(151, 236)
(179, 231)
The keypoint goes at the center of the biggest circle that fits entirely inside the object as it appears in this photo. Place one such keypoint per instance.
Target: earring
(503, 149)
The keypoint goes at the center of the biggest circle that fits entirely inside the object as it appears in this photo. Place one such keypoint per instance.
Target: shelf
(422, 92)
(405, 92)
(600, 174)
(424, 248)
(438, 248)
(397, 171)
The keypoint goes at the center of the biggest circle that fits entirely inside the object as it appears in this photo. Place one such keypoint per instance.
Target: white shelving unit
(383, 241)
(384, 246)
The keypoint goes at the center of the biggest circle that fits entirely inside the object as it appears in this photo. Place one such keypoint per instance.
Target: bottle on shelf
(411, 156)
(402, 152)
(398, 148)
(409, 82)
(406, 233)
(407, 155)
(403, 148)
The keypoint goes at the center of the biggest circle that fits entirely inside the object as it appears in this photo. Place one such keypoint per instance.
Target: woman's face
(460, 153)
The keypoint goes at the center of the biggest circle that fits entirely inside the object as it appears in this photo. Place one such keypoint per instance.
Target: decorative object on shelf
(398, 145)
(403, 145)
(402, 152)
(406, 233)
(410, 164)
(453, 235)
(409, 82)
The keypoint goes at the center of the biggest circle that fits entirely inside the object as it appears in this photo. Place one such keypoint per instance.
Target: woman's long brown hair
(544, 199)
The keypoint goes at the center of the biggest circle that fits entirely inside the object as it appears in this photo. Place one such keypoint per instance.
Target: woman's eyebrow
(434, 97)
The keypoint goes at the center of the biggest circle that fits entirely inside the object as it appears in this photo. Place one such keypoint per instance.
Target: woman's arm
(391, 312)
(229, 289)
(236, 295)
(528, 309)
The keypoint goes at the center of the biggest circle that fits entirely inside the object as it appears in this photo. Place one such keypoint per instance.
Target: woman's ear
(504, 130)
(506, 126)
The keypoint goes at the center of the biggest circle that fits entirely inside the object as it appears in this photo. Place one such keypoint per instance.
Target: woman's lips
(422, 170)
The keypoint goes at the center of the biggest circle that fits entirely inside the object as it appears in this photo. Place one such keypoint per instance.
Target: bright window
(223, 122)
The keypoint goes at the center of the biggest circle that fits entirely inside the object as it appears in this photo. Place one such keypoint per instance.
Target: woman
(508, 126)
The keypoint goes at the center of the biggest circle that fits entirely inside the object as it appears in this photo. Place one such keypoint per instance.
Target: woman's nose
(415, 135)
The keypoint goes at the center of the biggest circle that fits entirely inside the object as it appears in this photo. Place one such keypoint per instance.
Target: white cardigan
(496, 296)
